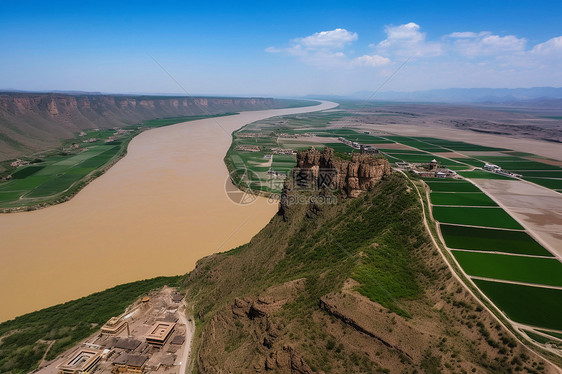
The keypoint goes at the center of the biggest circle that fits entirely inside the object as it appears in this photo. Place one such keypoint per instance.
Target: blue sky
(278, 48)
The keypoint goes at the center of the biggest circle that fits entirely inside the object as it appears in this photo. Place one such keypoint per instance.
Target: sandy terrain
(537, 208)
(156, 212)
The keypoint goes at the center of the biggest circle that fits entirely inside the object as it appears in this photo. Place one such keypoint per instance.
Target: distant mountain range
(534, 96)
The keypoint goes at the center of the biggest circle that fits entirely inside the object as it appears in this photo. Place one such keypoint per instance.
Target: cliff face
(34, 122)
(317, 169)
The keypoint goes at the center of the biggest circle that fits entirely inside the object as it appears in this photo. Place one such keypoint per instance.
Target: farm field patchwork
(483, 239)
(461, 199)
(53, 177)
(524, 269)
(536, 306)
(55, 174)
(475, 216)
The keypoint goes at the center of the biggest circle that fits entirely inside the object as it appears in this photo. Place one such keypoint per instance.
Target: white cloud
(327, 49)
(550, 47)
(371, 60)
(486, 44)
(467, 34)
(409, 33)
(464, 34)
(408, 40)
(466, 58)
(337, 39)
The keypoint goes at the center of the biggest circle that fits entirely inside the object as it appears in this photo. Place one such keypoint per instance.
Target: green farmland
(555, 184)
(452, 186)
(540, 174)
(461, 199)
(55, 175)
(551, 333)
(524, 269)
(534, 306)
(482, 239)
(482, 174)
(475, 216)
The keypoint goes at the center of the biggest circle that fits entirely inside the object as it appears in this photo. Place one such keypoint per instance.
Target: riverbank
(55, 176)
(155, 212)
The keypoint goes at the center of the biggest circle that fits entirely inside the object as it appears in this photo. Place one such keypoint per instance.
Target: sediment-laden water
(156, 212)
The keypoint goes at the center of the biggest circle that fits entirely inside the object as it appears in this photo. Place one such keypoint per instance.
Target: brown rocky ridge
(318, 169)
(31, 122)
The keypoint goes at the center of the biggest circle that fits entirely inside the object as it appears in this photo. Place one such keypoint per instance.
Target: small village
(427, 170)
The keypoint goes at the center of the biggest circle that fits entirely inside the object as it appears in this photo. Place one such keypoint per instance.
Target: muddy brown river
(156, 212)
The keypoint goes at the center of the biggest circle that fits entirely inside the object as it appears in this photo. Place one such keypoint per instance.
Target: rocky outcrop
(254, 317)
(34, 122)
(323, 170)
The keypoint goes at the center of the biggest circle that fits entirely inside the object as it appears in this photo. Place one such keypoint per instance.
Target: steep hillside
(353, 287)
(32, 122)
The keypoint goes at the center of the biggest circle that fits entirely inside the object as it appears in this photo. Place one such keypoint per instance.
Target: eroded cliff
(317, 169)
(34, 122)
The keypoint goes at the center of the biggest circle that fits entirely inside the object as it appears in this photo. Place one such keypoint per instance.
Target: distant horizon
(312, 96)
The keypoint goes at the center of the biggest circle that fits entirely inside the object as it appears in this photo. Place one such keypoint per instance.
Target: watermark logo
(245, 178)
(315, 179)
(243, 186)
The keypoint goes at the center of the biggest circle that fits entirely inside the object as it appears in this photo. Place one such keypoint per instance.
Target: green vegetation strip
(555, 184)
(482, 239)
(534, 306)
(461, 198)
(540, 174)
(551, 333)
(526, 165)
(481, 174)
(452, 186)
(547, 271)
(21, 346)
(539, 338)
(58, 174)
(475, 216)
